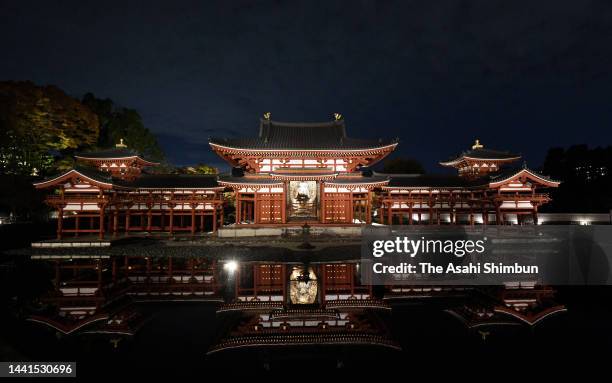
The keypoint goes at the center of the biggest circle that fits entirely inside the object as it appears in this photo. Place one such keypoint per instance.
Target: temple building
(288, 175)
(120, 161)
(479, 161)
(302, 172)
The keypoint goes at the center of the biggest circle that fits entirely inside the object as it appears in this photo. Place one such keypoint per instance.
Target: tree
(403, 166)
(586, 179)
(123, 123)
(40, 123)
(198, 169)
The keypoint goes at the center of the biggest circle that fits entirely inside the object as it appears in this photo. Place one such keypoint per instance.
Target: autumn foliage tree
(197, 169)
(39, 124)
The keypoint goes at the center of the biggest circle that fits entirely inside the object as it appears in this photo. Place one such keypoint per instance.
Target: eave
(69, 174)
(137, 158)
(356, 184)
(468, 159)
(530, 174)
(276, 152)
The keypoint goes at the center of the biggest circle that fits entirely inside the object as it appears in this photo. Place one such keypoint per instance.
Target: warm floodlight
(231, 266)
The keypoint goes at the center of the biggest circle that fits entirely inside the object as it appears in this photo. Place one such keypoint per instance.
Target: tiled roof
(256, 180)
(110, 153)
(509, 173)
(113, 153)
(452, 181)
(428, 180)
(146, 180)
(359, 179)
(185, 181)
(274, 135)
(485, 154)
(89, 172)
(94, 173)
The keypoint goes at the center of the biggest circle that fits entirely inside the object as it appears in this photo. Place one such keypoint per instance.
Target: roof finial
(477, 145)
(121, 144)
(337, 117)
(267, 116)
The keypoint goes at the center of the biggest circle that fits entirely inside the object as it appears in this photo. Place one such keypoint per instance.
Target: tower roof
(480, 153)
(276, 135)
(120, 151)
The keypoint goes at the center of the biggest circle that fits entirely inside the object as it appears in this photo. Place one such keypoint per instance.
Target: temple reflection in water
(266, 295)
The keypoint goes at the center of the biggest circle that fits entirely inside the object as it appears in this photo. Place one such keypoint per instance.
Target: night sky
(520, 75)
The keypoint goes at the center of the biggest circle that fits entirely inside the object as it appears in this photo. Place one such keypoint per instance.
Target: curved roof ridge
(307, 124)
(115, 152)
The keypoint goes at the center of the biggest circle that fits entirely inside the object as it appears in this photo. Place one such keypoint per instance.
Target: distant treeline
(586, 182)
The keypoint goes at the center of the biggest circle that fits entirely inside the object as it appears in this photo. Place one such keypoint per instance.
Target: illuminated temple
(287, 175)
(127, 236)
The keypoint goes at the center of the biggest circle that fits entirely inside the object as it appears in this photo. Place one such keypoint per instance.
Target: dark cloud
(519, 75)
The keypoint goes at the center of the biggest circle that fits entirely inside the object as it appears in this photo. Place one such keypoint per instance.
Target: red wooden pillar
(258, 208)
(171, 218)
(214, 222)
(322, 196)
(76, 224)
(368, 209)
(115, 222)
(193, 219)
(410, 212)
(238, 208)
(60, 222)
(498, 214)
(127, 221)
(350, 201)
(430, 203)
(162, 225)
(101, 232)
(149, 217)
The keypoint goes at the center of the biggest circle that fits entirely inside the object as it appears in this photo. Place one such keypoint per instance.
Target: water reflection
(272, 303)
